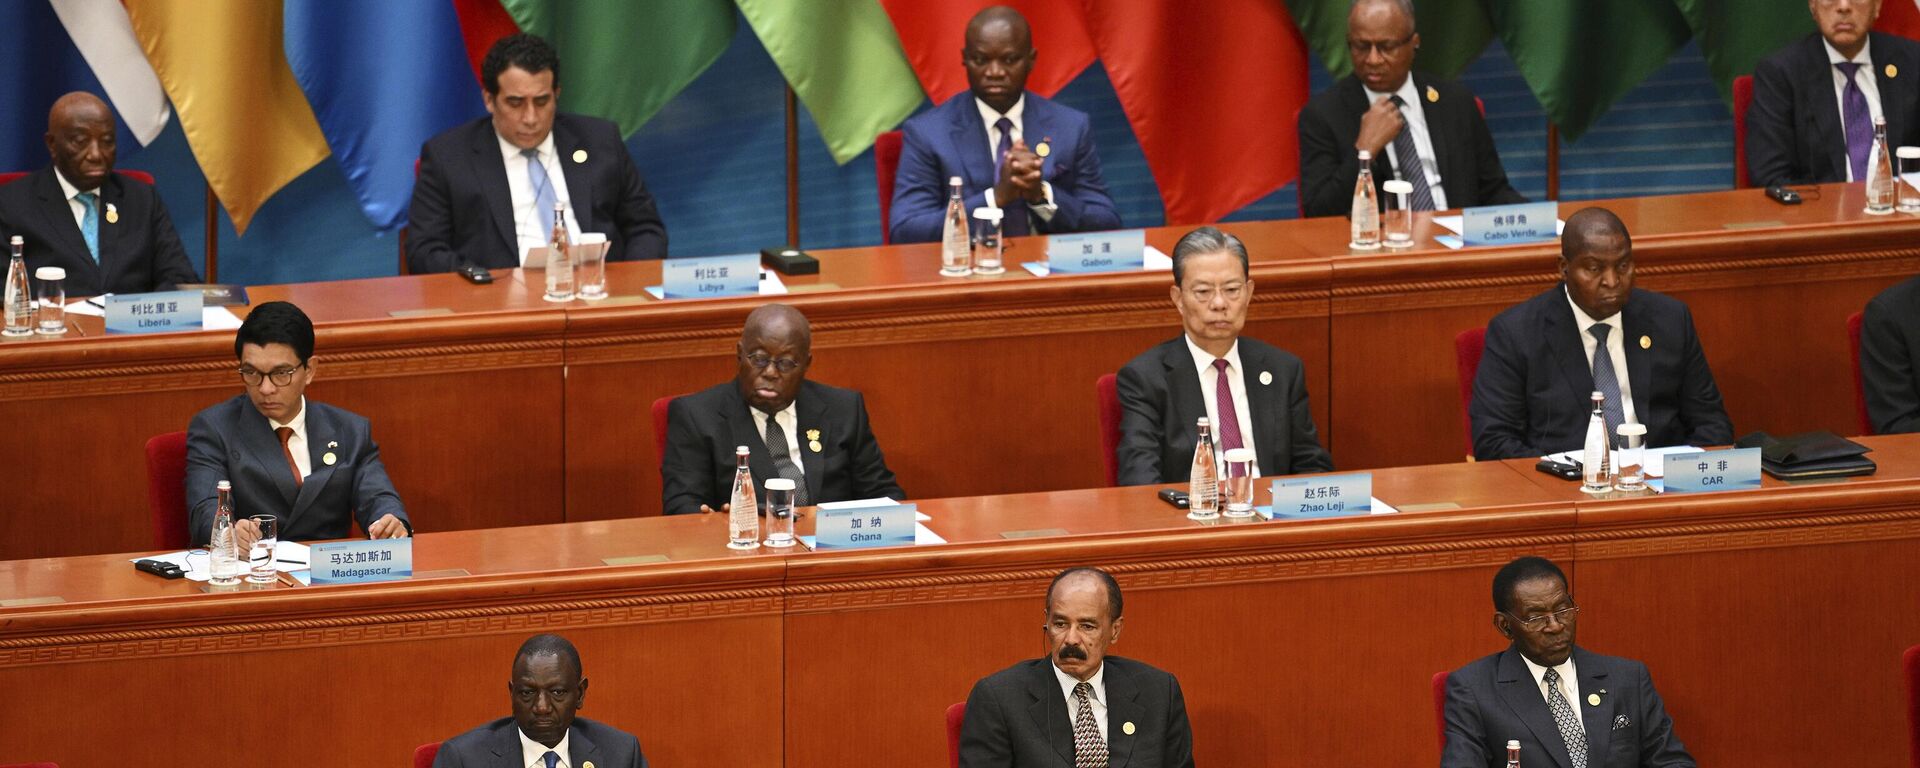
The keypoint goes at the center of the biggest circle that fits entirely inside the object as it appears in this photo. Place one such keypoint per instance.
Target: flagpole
(213, 235)
(793, 170)
(1553, 161)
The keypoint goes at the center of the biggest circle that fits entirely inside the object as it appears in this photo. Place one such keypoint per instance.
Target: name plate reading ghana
(1510, 224)
(1122, 251)
(888, 525)
(154, 312)
(708, 277)
(355, 562)
(1736, 469)
(1323, 496)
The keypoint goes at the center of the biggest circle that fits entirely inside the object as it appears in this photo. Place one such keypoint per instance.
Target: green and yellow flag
(844, 61)
(623, 60)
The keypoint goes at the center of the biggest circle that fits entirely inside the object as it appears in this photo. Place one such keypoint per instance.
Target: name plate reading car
(354, 562)
(887, 525)
(1323, 496)
(709, 277)
(154, 312)
(1510, 224)
(1736, 469)
(1122, 251)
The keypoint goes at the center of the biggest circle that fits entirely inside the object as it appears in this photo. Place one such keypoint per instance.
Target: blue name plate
(354, 562)
(1509, 224)
(888, 525)
(1322, 496)
(154, 312)
(1736, 469)
(708, 277)
(1121, 251)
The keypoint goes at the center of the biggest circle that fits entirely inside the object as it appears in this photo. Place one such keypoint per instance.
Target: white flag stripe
(104, 34)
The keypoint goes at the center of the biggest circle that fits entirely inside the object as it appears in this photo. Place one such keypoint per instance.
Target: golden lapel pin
(1127, 728)
(813, 440)
(1266, 377)
(1433, 96)
(1593, 699)
(328, 459)
(1646, 342)
(113, 214)
(587, 764)
(1043, 149)
(1892, 71)
(579, 156)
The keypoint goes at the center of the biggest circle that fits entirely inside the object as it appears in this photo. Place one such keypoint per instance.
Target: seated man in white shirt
(547, 687)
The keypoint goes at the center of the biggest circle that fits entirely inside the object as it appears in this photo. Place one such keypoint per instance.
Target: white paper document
(879, 502)
(1654, 461)
(1152, 260)
(289, 556)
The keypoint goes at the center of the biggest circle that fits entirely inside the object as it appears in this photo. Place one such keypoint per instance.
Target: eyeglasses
(280, 376)
(1537, 623)
(1360, 48)
(760, 361)
(1205, 293)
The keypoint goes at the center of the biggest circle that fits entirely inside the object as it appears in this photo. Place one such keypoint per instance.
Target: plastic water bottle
(223, 550)
(1513, 753)
(19, 299)
(743, 520)
(956, 245)
(1596, 474)
(1203, 482)
(559, 259)
(1880, 192)
(1366, 207)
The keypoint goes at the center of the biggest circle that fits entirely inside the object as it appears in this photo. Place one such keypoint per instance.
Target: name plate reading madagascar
(1121, 251)
(708, 277)
(1510, 224)
(355, 562)
(889, 525)
(1737, 469)
(1323, 496)
(154, 312)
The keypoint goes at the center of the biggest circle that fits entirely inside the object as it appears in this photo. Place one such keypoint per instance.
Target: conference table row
(1772, 620)
(496, 408)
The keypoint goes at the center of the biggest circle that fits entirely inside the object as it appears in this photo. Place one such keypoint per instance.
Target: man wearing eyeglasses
(1420, 128)
(1814, 100)
(312, 466)
(1253, 393)
(547, 688)
(804, 431)
(1548, 693)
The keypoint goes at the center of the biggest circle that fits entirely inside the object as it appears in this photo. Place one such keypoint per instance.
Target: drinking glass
(1397, 224)
(779, 512)
(986, 241)
(52, 311)
(1239, 483)
(591, 253)
(260, 557)
(1909, 181)
(1631, 474)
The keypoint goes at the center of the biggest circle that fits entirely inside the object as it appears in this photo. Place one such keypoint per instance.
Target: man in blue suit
(547, 688)
(1036, 156)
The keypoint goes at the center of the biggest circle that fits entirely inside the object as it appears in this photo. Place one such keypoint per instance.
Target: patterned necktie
(1229, 424)
(552, 758)
(1089, 749)
(1016, 220)
(543, 197)
(1563, 715)
(1859, 123)
(1606, 381)
(286, 433)
(90, 226)
(783, 460)
(1415, 172)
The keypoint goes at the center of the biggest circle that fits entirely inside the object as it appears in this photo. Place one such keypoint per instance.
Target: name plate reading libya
(1121, 251)
(1323, 496)
(154, 312)
(888, 525)
(1736, 469)
(708, 277)
(355, 562)
(1510, 224)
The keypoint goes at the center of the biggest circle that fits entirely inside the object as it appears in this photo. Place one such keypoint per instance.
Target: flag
(1211, 90)
(1900, 17)
(104, 35)
(223, 64)
(1452, 33)
(933, 35)
(482, 22)
(50, 49)
(1580, 57)
(622, 60)
(844, 62)
(382, 78)
(1735, 35)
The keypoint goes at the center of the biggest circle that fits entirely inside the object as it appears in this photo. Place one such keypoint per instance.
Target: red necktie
(286, 433)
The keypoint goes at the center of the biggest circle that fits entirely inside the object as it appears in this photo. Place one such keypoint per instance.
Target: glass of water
(1396, 224)
(986, 241)
(1909, 181)
(52, 307)
(779, 512)
(590, 253)
(1239, 483)
(260, 557)
(1631, 474)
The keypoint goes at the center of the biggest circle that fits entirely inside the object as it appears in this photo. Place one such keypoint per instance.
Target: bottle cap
(1907, 153)
(1513, 743)
(953, 181)
(1597, 395)
(1365, 155)
(1240, 454)
(50, 273)
(15, 240)
(740, 451)
(1630, 429)
(1205, 422)
(224, 486)
(779, 484)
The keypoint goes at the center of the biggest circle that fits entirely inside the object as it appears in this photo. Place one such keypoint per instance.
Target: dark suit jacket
(1793, 125)
(704, 428)
(1470, 169)
(1889, 349)
(462, 210)
(1017, 718)
(139, 253)
(1495, 699)
(1533, 393)
(1160, 399)
(233, 442)
(497, 745)
(950, 140)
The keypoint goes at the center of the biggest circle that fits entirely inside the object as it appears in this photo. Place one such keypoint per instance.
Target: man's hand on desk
(724, 508)
(387, 527)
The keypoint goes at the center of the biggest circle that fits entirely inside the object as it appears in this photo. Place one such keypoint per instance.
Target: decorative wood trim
(1820, 530)
(218, 373)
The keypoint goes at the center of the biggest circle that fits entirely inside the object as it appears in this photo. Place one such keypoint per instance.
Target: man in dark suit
(1253, 394)
(486, 190)
(1814, 101)
(1036, 156)
(1547, 693)
(771, 408)
(1434, 137)
(547, 688)
(1594, 332)
(109, 232)
(1889, 349)
(312, 466)
(1078, 706)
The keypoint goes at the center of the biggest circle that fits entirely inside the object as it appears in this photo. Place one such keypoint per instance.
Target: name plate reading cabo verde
(154, 312)
(889, 525)
(1737, 469)
(1121, 251)
(1510, 224)
(354, 562)
(708, 277)
(1323, 496)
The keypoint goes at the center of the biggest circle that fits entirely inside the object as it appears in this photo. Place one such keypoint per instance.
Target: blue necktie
(1859, 124)
(1016, 220)
(1604, 379)
(552, 758)
(1421, 198)
(543, 198)
(90, 226)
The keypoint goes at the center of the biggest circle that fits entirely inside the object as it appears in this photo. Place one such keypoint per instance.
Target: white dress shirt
(296, 445)
(526, 220)
(1616, 349)
(533, 753)
(1236, 383)
(1869, 85)
(789, 420)
(1016, 114)
(1569, 685)
(79, 208)
(1098, 696)
(1416, 117)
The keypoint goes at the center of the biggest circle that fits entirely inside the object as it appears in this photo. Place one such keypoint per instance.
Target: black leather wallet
(1809, 455)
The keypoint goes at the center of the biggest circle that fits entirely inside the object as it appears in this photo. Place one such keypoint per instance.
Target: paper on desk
(770, 285)
(879, 502)
(195, 561)
(211, 318)
(1654, 461)
(1456, 223)
(1152, 260)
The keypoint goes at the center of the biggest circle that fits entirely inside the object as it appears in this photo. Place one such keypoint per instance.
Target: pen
(289, 562)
